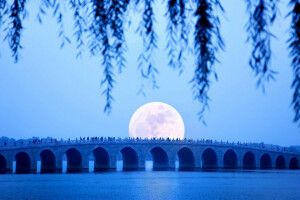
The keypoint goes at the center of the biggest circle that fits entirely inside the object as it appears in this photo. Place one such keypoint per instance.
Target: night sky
(51, 93)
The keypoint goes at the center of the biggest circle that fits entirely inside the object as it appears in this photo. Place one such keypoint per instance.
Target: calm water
(260, 184)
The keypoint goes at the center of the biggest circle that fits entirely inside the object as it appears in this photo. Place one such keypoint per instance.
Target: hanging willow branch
(146, 30)
(13, 36)
(79, 23)
(116, 14)
(100, 43)
(3, 12)
(294, 46)
(207, 41)
(172, 29)
(184, 32)
(3, 9)
(58, 13)
(177, 14)
(262, 14)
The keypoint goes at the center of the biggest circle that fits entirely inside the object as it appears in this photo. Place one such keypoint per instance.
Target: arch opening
(230, 160)
(101, 159)
(2, 164)
(48, 161)
(280, 162)
(23, 163)
(186, 159)
(160, 159)
(209, 159)
(249, 160)
(294, 163)
(265, 161)
(130, 159)
(74, 160)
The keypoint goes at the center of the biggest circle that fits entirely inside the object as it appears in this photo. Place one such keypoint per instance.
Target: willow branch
(116, 18)
(262, 14)
(79, 23)
(172, 28)
(17, 12)
(100, 43)
(207, 40)
(149, 36)
(294, 47)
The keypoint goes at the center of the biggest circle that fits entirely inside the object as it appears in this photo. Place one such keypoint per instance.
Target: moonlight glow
(157, 120)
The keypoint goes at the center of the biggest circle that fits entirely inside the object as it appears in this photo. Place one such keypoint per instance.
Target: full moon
(156, 120)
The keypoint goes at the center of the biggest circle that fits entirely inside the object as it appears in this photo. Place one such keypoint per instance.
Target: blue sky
(51, 93)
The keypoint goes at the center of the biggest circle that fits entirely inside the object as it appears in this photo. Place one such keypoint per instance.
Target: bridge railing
(91, 140)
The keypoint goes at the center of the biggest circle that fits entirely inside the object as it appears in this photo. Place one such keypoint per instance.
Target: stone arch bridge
(192, 155)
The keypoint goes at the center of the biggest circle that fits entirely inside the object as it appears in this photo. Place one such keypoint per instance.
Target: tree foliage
(294, 46)
(207, 40)
(102, 21)
(262, 14)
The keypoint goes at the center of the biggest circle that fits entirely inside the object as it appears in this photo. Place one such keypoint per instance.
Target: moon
(156, 120)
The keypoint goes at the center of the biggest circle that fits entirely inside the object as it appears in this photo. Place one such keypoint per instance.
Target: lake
(238, 184)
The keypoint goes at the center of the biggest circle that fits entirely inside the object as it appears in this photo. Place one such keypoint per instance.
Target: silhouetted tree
(102, 21)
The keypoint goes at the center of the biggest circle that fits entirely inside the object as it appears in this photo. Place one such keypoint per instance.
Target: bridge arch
(130, 159)
(74, 160)
(230, 159)
(265, 161)
(280, 162)
(186, 159)
(2, 164)
(160, 158)
(209, 159)
(101, 159)
(294, 163)
(23, 162)
(48, 161)
(249, 160)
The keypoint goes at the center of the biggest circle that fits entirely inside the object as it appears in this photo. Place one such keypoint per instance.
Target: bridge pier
(171, 165)
(141, 164)
(85, 161)
(197, 158)
(220, 156)
(239, 164)
(9, 164)
(240, 156)
(33, 165)
(273, 157)
(257, 161)
(172, 162)
(113, 162)
(59, 165)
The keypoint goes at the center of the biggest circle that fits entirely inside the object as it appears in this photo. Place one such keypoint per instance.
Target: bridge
(191, 154)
